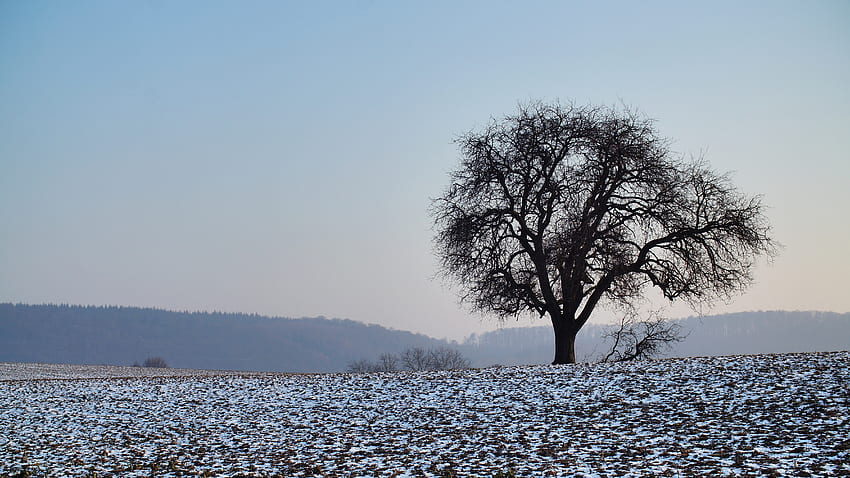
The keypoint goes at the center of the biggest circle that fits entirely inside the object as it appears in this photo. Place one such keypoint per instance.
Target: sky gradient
(279, 157)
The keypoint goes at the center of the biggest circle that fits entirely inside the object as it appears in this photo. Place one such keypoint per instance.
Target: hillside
(729, 334)
(124, 335)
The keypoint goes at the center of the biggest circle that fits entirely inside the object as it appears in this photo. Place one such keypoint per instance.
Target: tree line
(124, 335)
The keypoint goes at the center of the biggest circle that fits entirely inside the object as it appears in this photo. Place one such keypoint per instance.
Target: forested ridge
(212, 340)
(215, 340)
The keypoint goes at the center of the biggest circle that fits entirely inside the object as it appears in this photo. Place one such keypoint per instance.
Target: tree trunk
(565, 344)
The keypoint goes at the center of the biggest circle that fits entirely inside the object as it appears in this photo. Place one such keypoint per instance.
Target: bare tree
(560, 208)
(446, 358)
(387, 363)
(415, 358)
(635, 339)
(155, 362)
(360, 366)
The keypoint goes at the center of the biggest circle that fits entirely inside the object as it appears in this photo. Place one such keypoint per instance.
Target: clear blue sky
(278, 157)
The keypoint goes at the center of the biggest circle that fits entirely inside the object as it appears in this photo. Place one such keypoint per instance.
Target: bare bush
(155, 362)
(387, 363)
(360, 366)
(413, 359)
(445, 358)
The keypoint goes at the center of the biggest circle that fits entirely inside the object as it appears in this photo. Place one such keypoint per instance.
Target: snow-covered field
(780, 415)
(36, 371)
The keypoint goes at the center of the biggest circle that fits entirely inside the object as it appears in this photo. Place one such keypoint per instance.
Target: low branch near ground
(635, 339)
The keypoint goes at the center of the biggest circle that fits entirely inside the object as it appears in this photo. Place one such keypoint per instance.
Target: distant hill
(124, 335)
(728, 334)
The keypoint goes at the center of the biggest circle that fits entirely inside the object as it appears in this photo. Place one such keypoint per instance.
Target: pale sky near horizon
(279, 157)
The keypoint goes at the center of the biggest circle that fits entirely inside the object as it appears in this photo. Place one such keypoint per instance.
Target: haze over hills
(124, 335)
(762, 332)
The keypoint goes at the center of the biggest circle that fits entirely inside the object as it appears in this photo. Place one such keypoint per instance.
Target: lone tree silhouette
(557, 209)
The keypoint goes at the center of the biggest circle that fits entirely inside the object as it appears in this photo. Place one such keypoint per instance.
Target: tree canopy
(559, 208)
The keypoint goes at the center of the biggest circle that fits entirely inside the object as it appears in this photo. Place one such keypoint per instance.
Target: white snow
(781, 415)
